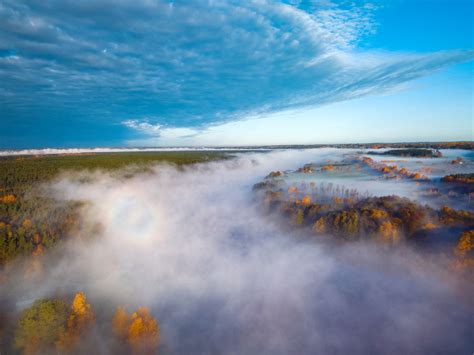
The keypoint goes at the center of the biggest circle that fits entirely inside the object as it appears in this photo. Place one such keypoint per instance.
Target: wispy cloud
(190, 63)
(159, 131)
(143, 126)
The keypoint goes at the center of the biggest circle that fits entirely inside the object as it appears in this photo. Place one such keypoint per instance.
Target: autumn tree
(403, 171)
(378, 213)
(121, 322)
(140, 330)
(418, 176)
(465, 244)
(306, 201)
(10, 198)
(297, 217)
(40, 326)
(346, 223)
(389, 232)
(143, 332)
(464, 252)
(81, 318)
(320, 226)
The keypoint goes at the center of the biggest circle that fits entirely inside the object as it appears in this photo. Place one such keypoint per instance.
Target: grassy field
(31, 221)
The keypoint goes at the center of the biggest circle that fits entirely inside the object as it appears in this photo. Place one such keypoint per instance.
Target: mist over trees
(263, 253)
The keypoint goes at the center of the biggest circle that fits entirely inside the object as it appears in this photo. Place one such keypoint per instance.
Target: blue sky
(151, 73)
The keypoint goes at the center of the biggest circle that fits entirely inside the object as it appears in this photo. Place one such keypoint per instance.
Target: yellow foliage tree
(465, 244)
(80, 319)
(297, 217)
(306, 201)
(143, 332)
(378, 214)
(389, 232)
(320, 226)
(403, 171)
(82, 315)
(386, 170)
(120, 323)
(140, 330)
(464, 252)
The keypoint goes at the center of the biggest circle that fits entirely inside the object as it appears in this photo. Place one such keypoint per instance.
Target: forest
(30, 221)
(413, 152)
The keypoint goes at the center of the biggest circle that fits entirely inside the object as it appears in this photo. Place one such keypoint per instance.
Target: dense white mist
(221, 278)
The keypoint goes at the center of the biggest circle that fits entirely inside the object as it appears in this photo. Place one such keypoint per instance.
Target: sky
(192, 73)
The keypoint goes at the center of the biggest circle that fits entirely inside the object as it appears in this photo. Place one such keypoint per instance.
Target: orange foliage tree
(464, 252)
(8, 198)
(465, 244)
(403, 171)
(121, 322)
(143, 333)
(140, 330)
(80, 319)
(306, 201)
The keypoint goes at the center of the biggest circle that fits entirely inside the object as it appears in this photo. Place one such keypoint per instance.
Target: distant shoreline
(77, 151)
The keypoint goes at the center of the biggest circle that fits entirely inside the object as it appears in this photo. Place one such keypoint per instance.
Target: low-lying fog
(221, 278)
